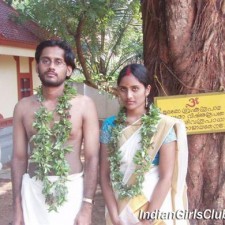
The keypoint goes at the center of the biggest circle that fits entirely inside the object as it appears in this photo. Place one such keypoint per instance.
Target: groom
(50, 183)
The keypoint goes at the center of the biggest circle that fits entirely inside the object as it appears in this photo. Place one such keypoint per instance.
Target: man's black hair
(69, 56)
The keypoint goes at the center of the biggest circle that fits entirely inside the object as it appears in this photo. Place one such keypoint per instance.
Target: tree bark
(184, 51)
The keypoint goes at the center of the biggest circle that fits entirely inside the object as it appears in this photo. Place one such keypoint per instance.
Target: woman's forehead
(130, 80)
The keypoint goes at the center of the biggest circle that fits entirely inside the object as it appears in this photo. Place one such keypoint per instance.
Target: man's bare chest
(75, 120)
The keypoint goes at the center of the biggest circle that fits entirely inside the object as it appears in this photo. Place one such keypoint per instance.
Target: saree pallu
(176, 199)
(35, 211)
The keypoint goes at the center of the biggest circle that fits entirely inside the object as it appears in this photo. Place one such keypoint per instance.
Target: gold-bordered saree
(176, 200)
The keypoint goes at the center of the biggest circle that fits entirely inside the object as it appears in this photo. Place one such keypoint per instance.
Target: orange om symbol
(193, 101)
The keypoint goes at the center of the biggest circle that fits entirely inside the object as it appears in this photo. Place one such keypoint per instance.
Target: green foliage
(110, 35)
(141, 159)
(50, 146)
(9, 2)
(77, 76)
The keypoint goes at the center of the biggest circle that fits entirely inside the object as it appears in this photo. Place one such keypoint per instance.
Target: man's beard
(49, 83)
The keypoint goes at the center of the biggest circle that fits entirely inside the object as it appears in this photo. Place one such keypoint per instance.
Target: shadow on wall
(0, 158)
(105, 104)
(5, 144)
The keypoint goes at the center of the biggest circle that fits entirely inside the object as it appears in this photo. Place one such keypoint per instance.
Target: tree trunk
(184, 48)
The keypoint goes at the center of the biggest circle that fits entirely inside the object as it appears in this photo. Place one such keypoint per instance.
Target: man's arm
(19, 162)
(91, 149)
(91, 154)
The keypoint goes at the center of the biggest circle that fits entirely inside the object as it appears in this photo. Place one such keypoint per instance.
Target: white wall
(106, 106)
(8, 82)
(16, 51)
(8, 85)
(24, 65)
(36, 80)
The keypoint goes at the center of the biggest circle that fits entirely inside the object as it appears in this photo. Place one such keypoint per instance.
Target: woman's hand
(145, 222)
(118, 222)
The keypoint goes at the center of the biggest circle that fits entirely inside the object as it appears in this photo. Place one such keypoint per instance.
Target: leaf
(141, 157)
(50, 147)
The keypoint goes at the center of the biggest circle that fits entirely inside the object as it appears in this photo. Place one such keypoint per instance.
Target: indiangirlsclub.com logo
(207, 214)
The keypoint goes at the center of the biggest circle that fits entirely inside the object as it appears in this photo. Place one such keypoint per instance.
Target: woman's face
(132, 93)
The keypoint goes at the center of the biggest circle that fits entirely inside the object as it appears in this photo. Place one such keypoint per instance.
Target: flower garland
(141, 158)
(49, 146)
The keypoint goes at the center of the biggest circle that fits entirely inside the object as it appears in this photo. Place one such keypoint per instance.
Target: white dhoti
(35, 210)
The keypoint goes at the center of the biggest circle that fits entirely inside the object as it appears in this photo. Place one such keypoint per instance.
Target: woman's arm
(166, 167)
(107, 190)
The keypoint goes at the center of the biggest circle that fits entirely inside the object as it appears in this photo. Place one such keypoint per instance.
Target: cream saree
(176, 199)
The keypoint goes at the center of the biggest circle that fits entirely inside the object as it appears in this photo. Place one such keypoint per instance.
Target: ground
(6, 201)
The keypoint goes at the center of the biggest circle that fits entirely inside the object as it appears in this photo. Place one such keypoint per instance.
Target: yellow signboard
(202, 113)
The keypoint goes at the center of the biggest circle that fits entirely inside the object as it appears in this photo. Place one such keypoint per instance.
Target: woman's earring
(146, 102)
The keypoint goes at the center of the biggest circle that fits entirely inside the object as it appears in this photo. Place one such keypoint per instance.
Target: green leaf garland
(50, 146)
(141, 158)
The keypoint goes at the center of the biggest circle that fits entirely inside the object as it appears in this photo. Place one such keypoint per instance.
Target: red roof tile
(11, 30)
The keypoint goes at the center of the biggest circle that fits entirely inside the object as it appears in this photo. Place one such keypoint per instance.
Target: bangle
(89, 200)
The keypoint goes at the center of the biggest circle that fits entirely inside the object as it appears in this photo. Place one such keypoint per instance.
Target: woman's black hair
(69, 56)
(139, 72)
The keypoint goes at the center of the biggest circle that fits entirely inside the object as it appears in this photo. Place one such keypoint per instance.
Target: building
(18, 42)
(18, 77)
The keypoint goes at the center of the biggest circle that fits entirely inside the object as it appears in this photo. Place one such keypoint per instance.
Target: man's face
(52, 68)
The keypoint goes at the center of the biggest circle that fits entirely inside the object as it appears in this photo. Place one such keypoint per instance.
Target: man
(48, 183)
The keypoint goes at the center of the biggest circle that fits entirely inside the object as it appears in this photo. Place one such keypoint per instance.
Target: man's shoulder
(84, 103)
(82, 99)
(24, 106)
(26, 101)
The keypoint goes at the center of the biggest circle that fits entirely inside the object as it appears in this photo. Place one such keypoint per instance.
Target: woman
(140, 149)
